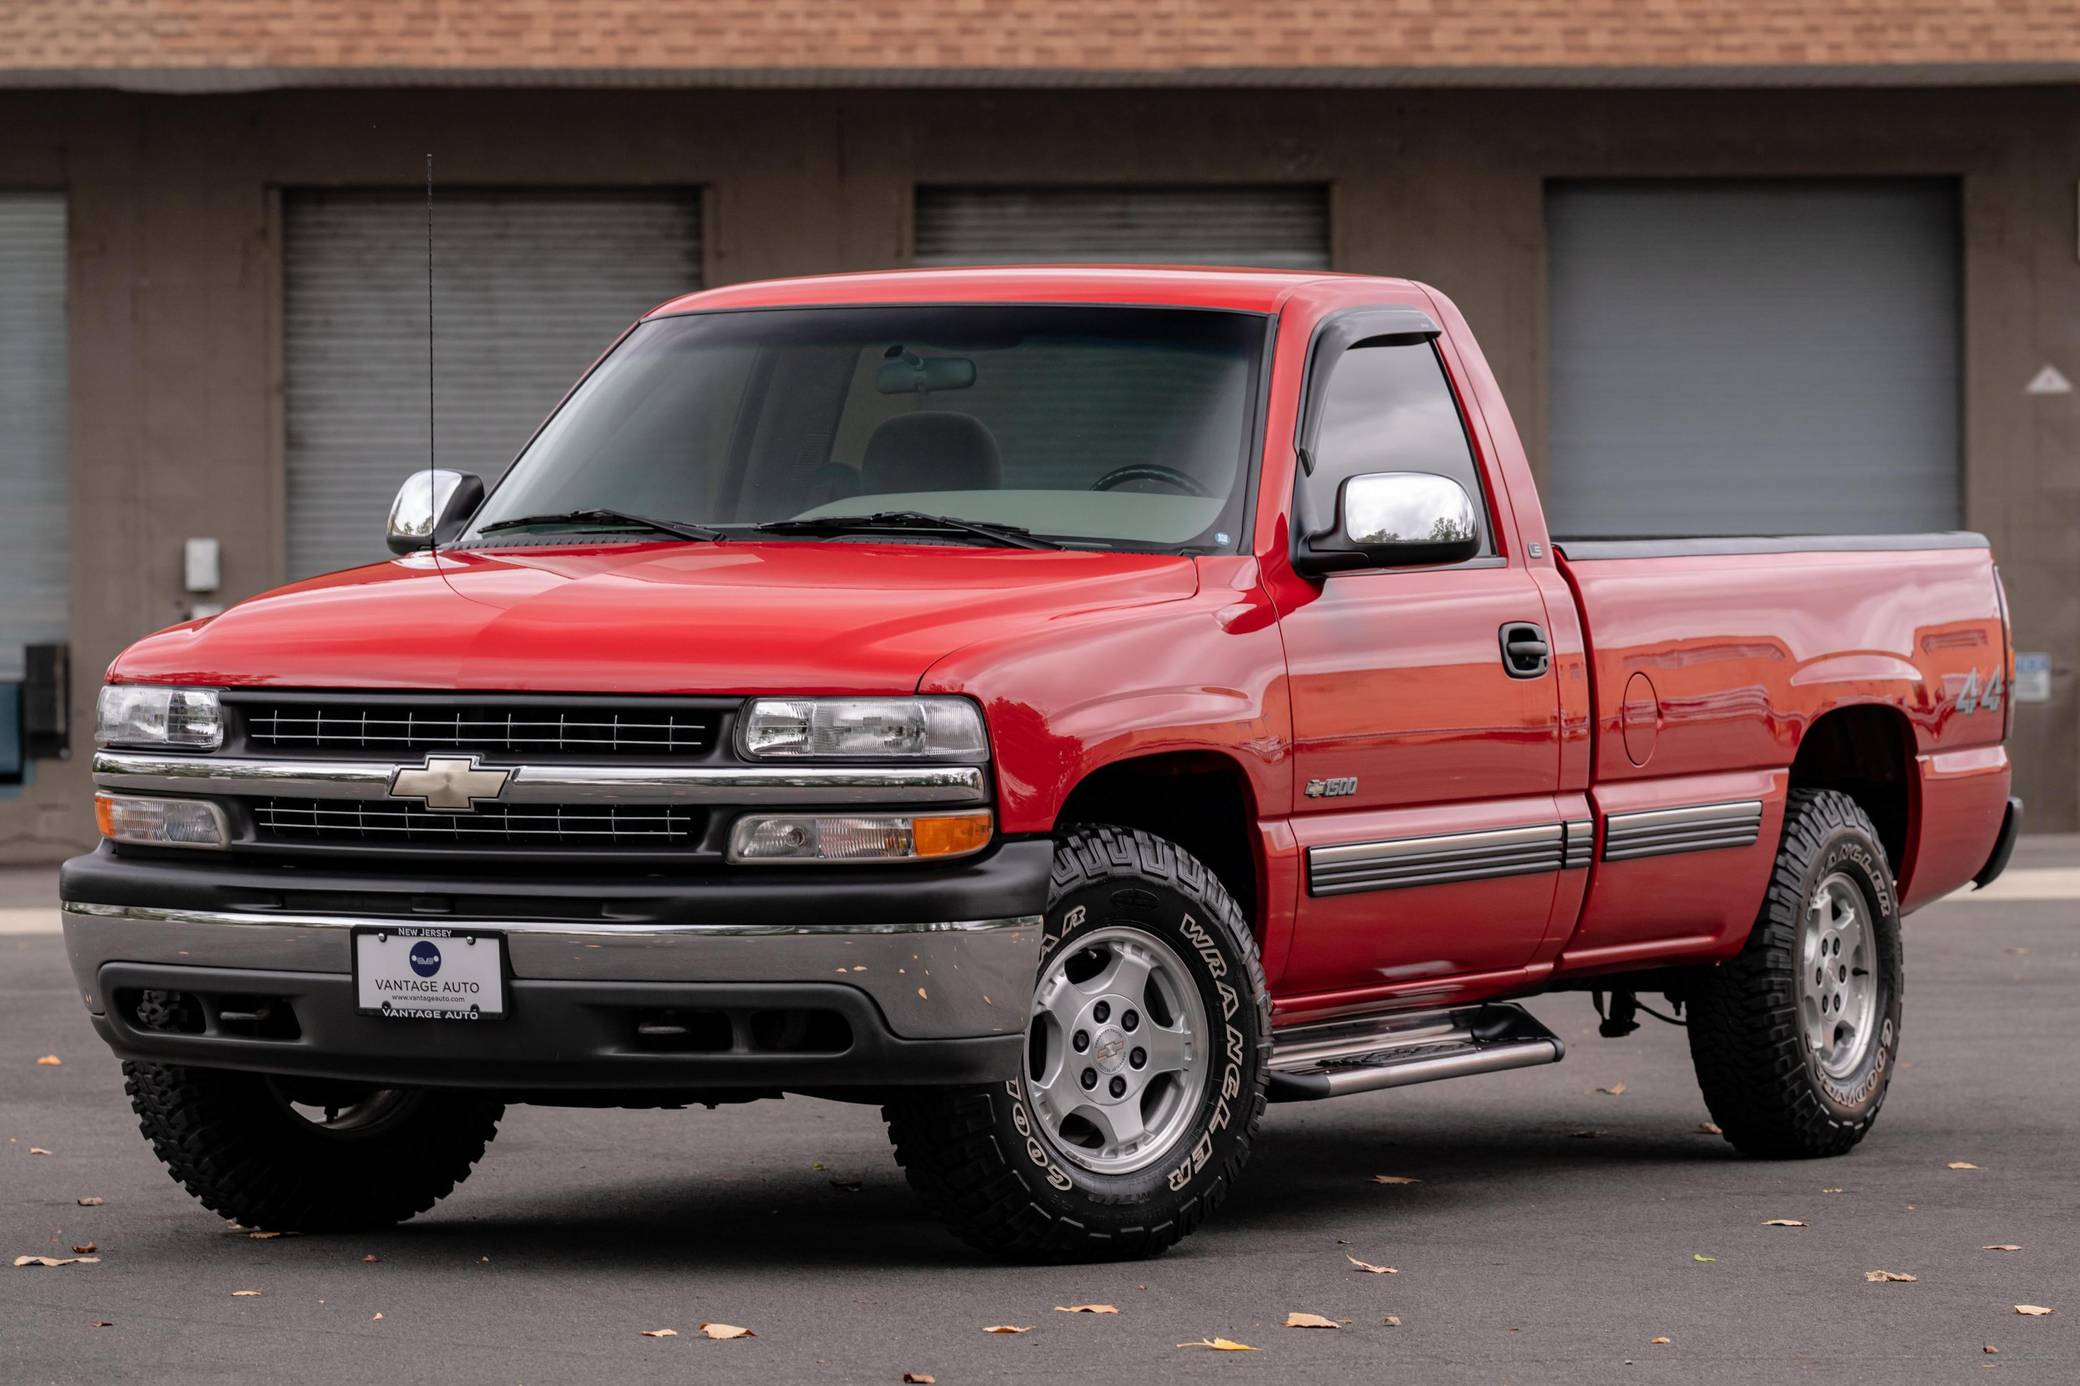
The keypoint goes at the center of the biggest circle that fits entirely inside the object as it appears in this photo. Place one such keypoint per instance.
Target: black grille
(391, 727)
(346, 822)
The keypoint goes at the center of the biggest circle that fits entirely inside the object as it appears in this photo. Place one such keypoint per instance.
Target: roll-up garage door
(529, 287)
(35, 458)
(1283, 227)
(1752, 357)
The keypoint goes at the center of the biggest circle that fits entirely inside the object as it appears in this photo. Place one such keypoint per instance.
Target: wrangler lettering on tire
(1144, 1076)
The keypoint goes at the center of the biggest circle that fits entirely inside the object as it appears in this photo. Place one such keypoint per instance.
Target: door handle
(1525, 652)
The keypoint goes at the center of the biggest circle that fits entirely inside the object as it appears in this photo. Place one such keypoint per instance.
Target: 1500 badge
(1337, 788)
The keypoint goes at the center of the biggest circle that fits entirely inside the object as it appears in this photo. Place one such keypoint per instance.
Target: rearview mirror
(1395, 519)
(432, 508)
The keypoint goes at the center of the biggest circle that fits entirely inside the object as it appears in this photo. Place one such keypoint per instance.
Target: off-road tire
(229, 1140)
(978, 1158)
(1762, 1083)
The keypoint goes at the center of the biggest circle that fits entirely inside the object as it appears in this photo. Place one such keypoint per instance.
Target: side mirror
(1394, 520)
(432, 507)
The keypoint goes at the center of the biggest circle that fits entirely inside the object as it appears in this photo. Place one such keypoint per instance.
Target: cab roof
(1190, 286)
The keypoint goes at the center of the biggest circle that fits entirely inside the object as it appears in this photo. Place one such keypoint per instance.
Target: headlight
(160, 822)
(794, 837)
(865, 729)
(136, 714)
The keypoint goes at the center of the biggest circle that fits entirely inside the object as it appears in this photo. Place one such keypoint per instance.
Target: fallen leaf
(848, 1185)
(85, 1249)
(1394, 1179)
(1220, 1345)
(1962, 1164)
(261, 1236)
(38, 1150)
(1709, 1128)
(1991, 1350)
(1660, 1341)
(1007, 1328)
(1085, 1309)
(1830, 1191)
(372, 1318)
(244, 1294)
(1300, 1320)
(1700, 1256)
(1878, 1276)
(104, 1323)
(1782, 1222)
(1368, 1267)
(90, 1202)
(2035, 1311)
(2001, 1246)
(1392, 1321)
(919, 1379)
(92, 1260)
(1614, 1090)
(723, 1332)
(49, 1061)
(660, 1333)
(921, 996)
(370, 1259)
(1583, 1135)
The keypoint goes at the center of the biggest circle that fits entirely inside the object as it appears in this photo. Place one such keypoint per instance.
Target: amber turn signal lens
(951, 835)
(105, 815)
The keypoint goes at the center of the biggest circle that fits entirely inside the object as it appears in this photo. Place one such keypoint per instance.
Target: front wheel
(1794, 1040)
(1143, 1084)
(308, 1154)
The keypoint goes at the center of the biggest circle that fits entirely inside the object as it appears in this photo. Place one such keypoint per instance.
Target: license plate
(415, 972)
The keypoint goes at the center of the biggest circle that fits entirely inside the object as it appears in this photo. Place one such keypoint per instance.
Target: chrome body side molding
(1699, 828)
(1419, 861)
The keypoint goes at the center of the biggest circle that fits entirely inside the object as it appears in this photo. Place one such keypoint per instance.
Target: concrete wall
(175, 270)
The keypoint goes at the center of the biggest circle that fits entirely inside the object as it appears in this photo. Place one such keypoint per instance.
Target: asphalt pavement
(1567, 1224)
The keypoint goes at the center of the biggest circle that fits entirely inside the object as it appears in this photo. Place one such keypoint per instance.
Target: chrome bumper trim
(933, 979)
(155, 915)
(554, 784)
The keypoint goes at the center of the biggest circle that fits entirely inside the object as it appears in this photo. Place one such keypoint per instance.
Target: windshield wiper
(619, 518)
(1008, 536)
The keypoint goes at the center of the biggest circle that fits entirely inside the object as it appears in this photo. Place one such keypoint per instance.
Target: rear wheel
(1144, 1078)
(308, 1154)
(1795, 1039)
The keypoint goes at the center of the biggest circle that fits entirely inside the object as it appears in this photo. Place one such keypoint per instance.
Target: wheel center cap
(1110, 1051)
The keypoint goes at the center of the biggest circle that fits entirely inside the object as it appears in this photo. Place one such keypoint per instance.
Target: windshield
(1096, 427)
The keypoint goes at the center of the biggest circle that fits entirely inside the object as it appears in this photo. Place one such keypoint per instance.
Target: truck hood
(648, 618)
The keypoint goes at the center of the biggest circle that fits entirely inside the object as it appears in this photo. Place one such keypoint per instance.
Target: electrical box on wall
(47, 702)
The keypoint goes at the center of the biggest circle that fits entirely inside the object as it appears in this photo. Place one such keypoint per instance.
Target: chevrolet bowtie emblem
(452, 784)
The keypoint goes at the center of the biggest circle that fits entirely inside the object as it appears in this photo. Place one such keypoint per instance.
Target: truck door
(1425, 714)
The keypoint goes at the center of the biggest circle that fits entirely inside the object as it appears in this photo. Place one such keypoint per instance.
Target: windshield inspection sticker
(414, 973)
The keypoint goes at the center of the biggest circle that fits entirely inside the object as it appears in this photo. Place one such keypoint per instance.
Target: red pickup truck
(1071, 708)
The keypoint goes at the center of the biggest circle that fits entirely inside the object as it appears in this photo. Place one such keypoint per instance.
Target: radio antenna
(430, 450)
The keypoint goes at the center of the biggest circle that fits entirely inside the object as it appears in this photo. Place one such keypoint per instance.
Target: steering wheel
(1149, 471)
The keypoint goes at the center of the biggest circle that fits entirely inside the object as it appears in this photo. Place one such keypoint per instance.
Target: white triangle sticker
(2048, 381)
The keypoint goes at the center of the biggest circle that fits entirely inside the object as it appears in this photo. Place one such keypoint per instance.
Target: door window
(1389, 408)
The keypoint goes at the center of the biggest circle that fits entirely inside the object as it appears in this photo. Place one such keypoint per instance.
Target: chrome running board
(1332, 1058)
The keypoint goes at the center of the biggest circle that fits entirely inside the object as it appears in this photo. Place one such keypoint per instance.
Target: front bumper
(626, 985)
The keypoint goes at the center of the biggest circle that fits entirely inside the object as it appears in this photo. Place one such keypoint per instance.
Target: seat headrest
(931, 451)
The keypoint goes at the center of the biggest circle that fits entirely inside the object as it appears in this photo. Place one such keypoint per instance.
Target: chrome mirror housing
(1395, 519)
(431, 508)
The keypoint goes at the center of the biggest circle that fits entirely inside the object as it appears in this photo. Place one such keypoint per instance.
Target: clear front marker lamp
(143, 715)
(160, 822)
(779, 838)
(864, 729)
